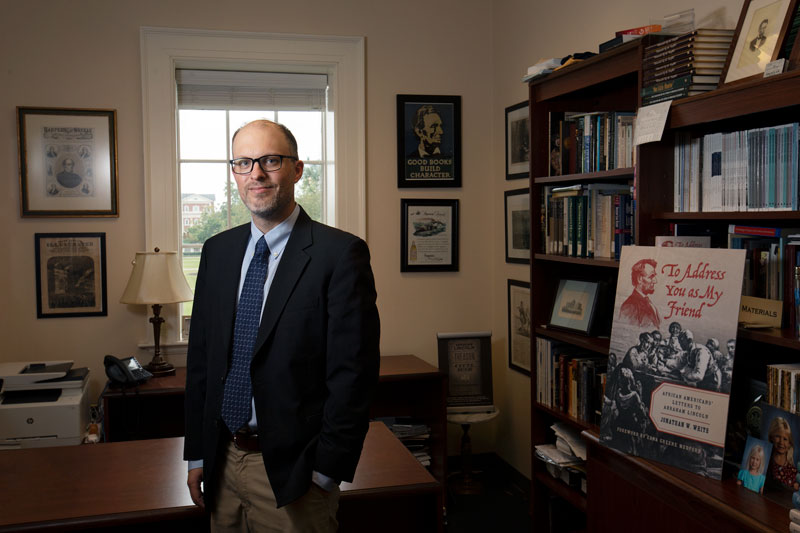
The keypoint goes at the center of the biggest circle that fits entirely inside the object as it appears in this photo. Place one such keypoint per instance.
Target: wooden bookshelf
(626, 492)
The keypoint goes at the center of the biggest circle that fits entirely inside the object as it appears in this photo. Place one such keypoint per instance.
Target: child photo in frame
(752, 473)
(780, 428)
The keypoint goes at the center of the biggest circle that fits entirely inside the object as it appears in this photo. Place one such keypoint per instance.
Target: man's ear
(298, 170)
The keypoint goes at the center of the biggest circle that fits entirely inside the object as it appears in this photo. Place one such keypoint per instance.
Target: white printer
(43, 404)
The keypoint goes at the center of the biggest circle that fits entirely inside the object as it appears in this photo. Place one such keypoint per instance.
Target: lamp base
(160, 369)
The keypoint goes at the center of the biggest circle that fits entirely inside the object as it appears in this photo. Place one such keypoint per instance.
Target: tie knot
(261, 248)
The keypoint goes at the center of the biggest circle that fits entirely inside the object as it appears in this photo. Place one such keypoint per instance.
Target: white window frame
(163, 50)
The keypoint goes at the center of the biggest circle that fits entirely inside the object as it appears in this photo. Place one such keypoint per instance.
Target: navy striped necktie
(238, 389)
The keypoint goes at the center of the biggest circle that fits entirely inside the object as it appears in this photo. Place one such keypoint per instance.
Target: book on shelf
(590, 142)
(616, 41)
(685, 241)
(672, 343)
(747, 170)
(640, 30)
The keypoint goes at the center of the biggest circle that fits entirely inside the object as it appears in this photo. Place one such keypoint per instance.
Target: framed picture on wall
(519, 326)
(428, 141)
(70, 274)
(758, 39)
(518, 145)
(518, 226)
(429, 235)
(68, 162)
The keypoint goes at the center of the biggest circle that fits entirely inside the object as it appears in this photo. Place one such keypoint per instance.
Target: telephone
(126, 371)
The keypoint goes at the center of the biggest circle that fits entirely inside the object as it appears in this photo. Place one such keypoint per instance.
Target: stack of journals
(590, 142)
(685, 65)
(414, 434)
(750, 170)
(588, 220)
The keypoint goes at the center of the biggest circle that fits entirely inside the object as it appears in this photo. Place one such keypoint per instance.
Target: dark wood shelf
(594, 344)
(608, 263)
(773, 336)
(615, 174)
(577, 423)
(569, 494)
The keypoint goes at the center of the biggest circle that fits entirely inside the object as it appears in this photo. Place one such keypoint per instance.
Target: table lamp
(157, 279)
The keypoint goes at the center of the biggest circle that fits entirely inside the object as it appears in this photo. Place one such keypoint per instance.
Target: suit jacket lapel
(291, 267)
(229, 285)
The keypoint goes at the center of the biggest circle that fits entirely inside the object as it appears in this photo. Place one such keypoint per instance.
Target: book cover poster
(671, 355)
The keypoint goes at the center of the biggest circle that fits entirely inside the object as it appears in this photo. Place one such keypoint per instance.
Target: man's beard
(275, 206)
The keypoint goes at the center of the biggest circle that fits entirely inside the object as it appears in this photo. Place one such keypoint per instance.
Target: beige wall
(85, 53)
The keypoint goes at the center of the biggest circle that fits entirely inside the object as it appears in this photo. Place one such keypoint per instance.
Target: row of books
(588, 220)
(748, 170)
(684, 65)
(414, 434)
(570, 381)
(590, 142)
(783, 386)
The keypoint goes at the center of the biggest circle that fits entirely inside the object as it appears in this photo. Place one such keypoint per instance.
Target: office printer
(42, 404)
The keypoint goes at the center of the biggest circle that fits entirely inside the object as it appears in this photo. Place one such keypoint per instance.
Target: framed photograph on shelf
(429, 235)
(428, 141)
(574, 306)
(70, 274)
(519, 326)
(518, 145)
(759, 37)
(518, 226)
(68, 162)
(466, 358)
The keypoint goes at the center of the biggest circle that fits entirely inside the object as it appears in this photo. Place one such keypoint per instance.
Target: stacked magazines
(414, 434)
(684, 65)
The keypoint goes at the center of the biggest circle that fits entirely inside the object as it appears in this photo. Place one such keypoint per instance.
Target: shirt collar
(278, 236)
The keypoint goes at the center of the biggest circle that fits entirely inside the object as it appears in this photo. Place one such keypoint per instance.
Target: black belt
(245, 440)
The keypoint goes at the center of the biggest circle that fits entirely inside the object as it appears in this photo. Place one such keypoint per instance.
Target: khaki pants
(245, 501)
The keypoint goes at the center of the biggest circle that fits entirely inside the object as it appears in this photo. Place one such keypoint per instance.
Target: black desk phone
(126, 371)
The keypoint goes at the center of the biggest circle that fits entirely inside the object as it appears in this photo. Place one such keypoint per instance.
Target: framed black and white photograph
(466, 358)
(70, 274)
(429, 235)
(760, 33)
(68, 162)
(574, 306)
(518, 226)
(428, 141)
(518, 145)
(519, 326)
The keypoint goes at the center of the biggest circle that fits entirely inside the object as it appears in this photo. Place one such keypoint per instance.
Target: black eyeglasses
(268, 163)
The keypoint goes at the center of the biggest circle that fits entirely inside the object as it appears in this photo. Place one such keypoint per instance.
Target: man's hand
(194, 479)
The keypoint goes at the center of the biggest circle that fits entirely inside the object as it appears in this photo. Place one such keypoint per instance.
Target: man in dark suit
(315, 354)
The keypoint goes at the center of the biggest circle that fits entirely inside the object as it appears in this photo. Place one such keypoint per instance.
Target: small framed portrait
(518, 145)
(753, 471)
(574, 306)
(518, 226)
(70, 274)
(428, 141)
(781, 429)
(466, 358)
(429, 235)
(759, 37)
(68, 162)
(519, 326)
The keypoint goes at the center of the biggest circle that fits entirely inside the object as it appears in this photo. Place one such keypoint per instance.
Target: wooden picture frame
(70, 275)
(518, 226)
(518, 143)
(428, 141)
(466, 358)
(758, 39)
(429, 235)
(67, 162)
(519, 326)
(574, 305)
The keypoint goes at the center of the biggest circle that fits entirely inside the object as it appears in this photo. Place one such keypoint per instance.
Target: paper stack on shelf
(413, 434)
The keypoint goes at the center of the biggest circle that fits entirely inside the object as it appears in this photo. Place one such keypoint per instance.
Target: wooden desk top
(396, 367)
(138, 481)
(164, 385)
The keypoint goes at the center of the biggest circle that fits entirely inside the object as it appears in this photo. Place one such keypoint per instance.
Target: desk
(123, 485)
(152, 410)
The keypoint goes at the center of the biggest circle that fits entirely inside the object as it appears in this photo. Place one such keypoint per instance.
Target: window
(164, 51)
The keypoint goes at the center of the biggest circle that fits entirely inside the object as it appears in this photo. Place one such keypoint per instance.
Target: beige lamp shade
(157, 278)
